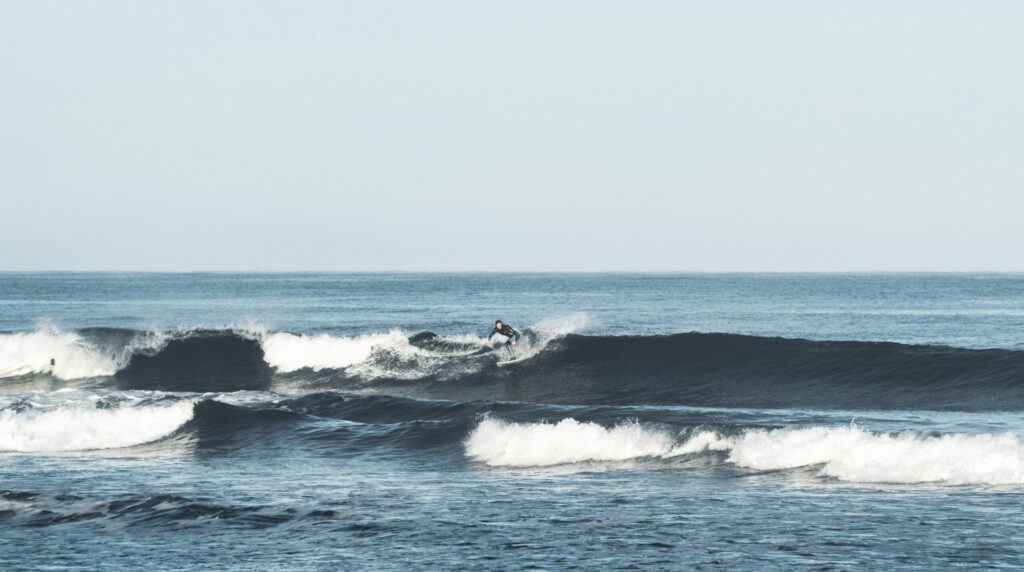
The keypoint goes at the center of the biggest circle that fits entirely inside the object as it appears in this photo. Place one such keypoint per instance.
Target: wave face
(199, 361)
(745, 371)
(715, 370)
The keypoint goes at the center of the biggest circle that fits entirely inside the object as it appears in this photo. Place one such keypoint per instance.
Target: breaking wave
(556, 366)
(88, 427)
(291, 352)
(498, 443)
(73, 357)
(849, 454)
(503, 435)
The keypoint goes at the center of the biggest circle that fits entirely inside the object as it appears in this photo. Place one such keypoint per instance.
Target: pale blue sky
(511, 136)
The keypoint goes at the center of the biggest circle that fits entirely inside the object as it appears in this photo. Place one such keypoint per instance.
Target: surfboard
(509, 362)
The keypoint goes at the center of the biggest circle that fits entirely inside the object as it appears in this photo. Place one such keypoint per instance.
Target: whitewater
(848, 454)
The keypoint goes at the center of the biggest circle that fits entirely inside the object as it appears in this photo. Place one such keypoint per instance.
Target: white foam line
(848, 453)
(88, 428)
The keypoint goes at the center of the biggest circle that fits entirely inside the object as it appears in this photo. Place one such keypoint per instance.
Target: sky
(547, 136)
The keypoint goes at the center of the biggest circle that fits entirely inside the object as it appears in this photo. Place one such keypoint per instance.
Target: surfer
(507, 331)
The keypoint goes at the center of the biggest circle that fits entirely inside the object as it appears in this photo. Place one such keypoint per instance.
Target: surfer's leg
(508, 346)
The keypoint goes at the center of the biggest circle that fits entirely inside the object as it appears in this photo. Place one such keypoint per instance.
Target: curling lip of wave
(849, 454)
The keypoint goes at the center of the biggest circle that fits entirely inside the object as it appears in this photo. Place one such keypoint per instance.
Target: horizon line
(400, 271)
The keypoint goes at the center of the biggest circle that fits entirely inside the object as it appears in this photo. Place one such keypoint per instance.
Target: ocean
(356, 421)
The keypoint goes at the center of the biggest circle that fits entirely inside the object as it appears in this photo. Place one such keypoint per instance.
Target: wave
(89, 427)
(557, 366)
(499, 443)
(848, 454)
(503, 435)
(394, 355)
(290, 352)
(855, 455)
(725, 370)
(199, 361)
(73, 357)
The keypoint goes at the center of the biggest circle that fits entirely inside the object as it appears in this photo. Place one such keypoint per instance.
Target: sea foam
(30, 352)
(855, 455)
(291, 352)
(846, 453)
(501, 443)
(84, 428)
(287, 352)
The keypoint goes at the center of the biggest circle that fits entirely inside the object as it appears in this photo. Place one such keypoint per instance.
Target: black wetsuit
(510, 333)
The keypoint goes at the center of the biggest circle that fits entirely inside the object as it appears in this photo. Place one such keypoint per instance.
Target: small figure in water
(507, 331)
(53, 364)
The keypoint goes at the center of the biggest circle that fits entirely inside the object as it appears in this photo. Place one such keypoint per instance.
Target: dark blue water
(356, 421)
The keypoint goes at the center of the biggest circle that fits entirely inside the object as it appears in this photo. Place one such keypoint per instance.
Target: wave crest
(291, 352)
(81, 428)
(849, 454)
(26, 353)
(501, 443)
(855, 455)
